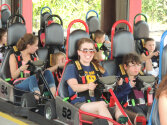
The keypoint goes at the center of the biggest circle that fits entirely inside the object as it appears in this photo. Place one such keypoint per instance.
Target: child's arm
(53, 68)
(144, 57)
(122, 91)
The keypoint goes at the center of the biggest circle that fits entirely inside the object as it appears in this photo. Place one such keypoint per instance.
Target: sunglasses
(88, 50)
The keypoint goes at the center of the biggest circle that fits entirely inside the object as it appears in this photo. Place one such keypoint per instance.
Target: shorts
(79, 104)
(154, 72)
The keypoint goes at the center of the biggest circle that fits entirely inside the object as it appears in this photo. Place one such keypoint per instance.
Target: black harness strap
(82, 80)
(131, 96)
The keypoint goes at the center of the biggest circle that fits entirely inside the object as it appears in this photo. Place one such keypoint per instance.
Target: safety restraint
(82, 80)
(133, 100)
(19, 62)
(101, 46)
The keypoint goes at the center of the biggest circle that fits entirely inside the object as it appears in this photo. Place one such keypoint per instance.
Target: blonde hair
(54, 58)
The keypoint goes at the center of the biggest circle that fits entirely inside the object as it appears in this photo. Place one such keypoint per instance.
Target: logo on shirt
(90, 76)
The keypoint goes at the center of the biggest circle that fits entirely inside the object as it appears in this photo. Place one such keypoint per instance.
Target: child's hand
(132, 83)
(23, 67)
(156, 53)
(107, 42)
(120, 82)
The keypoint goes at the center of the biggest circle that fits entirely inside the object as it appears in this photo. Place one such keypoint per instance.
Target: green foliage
(156, 10)
(68, 10)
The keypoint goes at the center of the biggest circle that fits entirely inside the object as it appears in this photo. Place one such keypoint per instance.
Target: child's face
(61, 61)
(132, 69)
(4, 38)
(150, 46)
(100, 39)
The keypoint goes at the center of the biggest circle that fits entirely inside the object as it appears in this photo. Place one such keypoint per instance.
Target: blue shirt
(72, 72)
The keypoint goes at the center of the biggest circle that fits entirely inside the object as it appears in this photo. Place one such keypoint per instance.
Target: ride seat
(5, 14)
(72, 55)
(44, 16)
(15, 31)
(54, 39)
(141, 32)
(93, 24)
(123, 44)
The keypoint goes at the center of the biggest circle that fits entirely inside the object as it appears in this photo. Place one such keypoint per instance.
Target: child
(129, 91)
(150, 57)
(3, 42)
(57, 63)
(101, 44)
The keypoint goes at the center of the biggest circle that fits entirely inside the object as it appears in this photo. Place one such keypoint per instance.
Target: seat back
(14, 32)
(141, 31)
(44, 16)
(93, 24)
(5, 14)
(123, 43)
(72, 44)
(109, 66)
(54, 36)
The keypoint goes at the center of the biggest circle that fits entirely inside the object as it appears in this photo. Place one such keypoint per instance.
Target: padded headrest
(72, 46)
(141, 30)
(110, 67)
(123, 43)
(44, 16)
(15, 32)
(5, 14)
(54, 34)
(93, 24)
(42, 53)
(164, 61)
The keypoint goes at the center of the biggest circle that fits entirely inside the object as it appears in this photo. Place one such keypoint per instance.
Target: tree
(68, 10)
(155, 9)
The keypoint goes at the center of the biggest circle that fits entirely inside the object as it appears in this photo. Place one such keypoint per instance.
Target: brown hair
(131, 58)
(87, 40)
(2, 32)
(28, 38)
(162, 87)
(54, 58)
(148, 39)
(99, 34)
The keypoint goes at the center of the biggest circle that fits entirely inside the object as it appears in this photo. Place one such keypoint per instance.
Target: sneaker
(122, 119)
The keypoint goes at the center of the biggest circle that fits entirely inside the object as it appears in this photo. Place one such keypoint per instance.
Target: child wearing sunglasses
(80, 78)
(129, 91)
